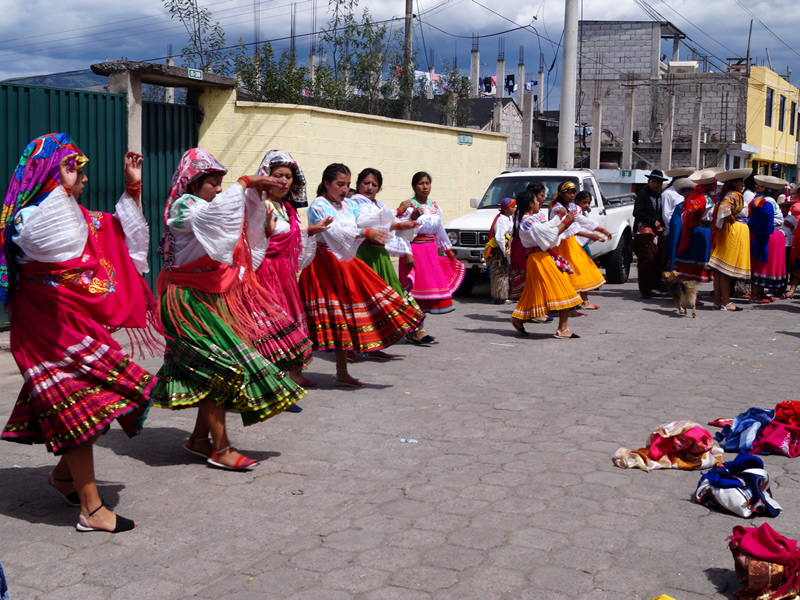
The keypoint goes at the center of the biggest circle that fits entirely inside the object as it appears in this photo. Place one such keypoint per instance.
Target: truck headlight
(453, 237)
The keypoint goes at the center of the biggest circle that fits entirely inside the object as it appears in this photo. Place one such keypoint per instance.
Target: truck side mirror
(473, 202)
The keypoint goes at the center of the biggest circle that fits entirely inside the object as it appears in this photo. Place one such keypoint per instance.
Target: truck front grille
(469, 238)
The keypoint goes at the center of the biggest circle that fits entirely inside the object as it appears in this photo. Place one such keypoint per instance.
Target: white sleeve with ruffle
(211, 228)
(255, 213)
(342, 236)
(53, 231)
(137, 233)
(543, 235)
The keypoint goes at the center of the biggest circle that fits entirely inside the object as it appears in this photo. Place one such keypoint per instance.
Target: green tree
(265, 80)
(205, 49)
(336, 37)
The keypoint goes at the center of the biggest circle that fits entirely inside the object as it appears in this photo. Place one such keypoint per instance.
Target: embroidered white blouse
(56, 231)
(533, 232)
(213, 228)
(430, 221)
(376, 215)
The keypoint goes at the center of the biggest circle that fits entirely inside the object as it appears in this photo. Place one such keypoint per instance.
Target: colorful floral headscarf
(35, 177)
(194, 163)
(281, 158)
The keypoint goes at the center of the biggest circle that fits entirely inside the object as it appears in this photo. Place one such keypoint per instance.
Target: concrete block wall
(240, 133)
(723, 97)
(612, 49)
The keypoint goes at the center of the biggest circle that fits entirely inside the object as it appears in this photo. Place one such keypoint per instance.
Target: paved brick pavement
(510, 491)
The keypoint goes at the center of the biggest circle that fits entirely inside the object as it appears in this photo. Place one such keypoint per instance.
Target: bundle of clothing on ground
(767, 564)
(676, 445)
(763, 431)
(739, 486)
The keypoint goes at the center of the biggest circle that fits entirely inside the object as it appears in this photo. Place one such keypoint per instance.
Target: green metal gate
(168, 130)
(97, 123)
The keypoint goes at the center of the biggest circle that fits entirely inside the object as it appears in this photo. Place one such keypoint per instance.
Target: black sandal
(72, 498)
(122, 524)
(518, 325)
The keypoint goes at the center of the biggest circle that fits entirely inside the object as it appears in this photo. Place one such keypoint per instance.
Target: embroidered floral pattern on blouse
(85, 278)
(95, 222)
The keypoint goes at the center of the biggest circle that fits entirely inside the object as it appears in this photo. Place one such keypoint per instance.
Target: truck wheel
(465, 289)
(618, 263)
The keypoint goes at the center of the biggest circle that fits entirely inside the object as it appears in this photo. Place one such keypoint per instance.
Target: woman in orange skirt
(585, 276)
(547, 287)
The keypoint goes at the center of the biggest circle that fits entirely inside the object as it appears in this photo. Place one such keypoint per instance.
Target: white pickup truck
(469, 233)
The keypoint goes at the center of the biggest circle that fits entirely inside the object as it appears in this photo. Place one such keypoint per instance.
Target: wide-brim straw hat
(734, 174)
(770, 182)
(704, 177)
(679, 172)
(684, 183)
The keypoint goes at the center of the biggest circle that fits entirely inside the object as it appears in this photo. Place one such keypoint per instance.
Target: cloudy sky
(50, 36)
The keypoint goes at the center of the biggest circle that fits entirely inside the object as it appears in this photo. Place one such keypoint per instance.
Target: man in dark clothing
(648, 240)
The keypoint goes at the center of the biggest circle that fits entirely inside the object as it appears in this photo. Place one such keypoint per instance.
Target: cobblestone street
(508, 492)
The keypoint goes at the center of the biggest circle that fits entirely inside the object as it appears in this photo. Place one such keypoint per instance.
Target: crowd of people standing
(730, 227)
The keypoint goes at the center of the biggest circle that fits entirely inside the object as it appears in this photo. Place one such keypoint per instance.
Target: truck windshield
(511, 187)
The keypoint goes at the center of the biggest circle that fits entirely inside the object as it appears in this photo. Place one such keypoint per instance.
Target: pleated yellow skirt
(731, 253)
(587, 276)
(546, 289)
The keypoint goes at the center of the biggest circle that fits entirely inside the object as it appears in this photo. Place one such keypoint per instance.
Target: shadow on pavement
(27, 496)
(510, 333)
(724, 580)
(160, 446)
(491, 318)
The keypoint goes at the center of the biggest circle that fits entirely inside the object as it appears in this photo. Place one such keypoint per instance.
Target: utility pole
(407, 77)
(569, 72)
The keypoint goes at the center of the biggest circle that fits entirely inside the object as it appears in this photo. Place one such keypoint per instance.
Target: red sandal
(242, 463)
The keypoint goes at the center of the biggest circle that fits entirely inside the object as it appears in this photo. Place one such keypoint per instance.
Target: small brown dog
(684, 293)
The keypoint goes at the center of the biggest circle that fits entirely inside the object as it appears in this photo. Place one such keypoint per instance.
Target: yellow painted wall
(239, 134)
(776, 146)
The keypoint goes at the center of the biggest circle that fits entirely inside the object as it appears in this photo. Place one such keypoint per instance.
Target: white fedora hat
(684, 183)
(704, 177)
(733, 174)
(679, 172)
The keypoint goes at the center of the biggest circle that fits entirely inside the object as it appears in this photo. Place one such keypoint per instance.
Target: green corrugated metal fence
(168, 130)
(97, 123)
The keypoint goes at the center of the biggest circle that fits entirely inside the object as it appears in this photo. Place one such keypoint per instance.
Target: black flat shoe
(72, 498)
(519, 326)
(121, 524)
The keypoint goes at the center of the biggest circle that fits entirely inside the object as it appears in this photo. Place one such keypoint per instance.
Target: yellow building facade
(772, 123)
(462, 162)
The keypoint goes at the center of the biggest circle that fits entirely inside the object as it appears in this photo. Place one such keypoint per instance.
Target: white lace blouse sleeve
(342, 237)
(586, 224)
(542, 235)
(137, 233)
(53, 231)
(255, 213)
(215, 225)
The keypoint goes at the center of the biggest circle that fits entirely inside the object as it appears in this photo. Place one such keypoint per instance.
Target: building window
(792, 118)
(782, 114)
(769, 107)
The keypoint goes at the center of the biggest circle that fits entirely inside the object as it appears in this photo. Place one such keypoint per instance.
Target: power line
(749, 12)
